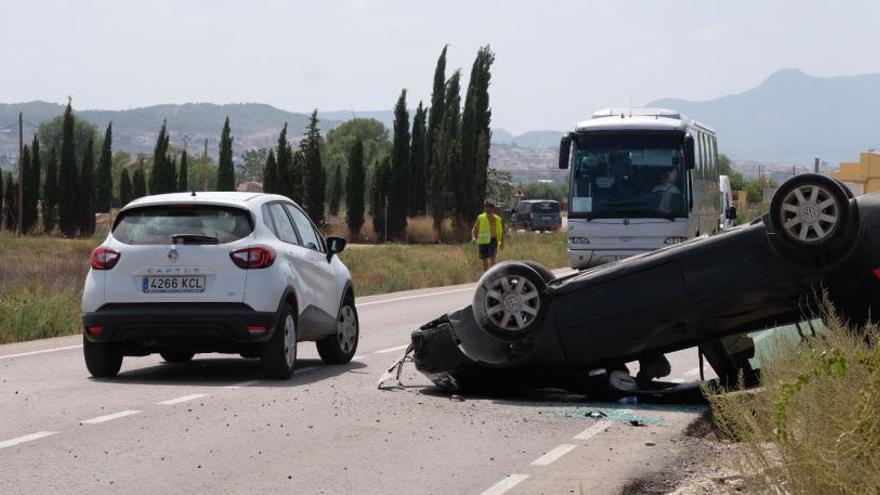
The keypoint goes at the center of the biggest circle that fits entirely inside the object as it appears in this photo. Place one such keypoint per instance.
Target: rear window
(545, 207)
(182, 224)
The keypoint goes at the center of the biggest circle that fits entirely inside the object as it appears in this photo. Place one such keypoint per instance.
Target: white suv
(245, 273)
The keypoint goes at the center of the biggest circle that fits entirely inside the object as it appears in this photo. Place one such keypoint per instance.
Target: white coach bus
(640, 180)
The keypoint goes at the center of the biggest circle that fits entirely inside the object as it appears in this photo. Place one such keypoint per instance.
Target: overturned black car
(526, 328)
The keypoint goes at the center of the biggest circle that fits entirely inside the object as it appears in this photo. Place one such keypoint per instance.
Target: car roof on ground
(232, 198)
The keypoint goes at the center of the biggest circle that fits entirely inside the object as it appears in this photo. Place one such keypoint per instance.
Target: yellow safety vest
(485, 235)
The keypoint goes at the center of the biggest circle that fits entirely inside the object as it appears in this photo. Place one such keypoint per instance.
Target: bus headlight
(674, 240)
(578, 240)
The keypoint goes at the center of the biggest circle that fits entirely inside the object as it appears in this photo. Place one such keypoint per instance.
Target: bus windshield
(629, 180)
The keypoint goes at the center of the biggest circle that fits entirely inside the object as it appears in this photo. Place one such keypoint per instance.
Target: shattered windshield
(626, 178)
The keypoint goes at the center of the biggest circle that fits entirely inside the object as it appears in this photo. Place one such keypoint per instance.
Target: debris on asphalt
(620, 415)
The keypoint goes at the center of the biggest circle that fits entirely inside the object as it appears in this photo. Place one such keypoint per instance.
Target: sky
(556, 62)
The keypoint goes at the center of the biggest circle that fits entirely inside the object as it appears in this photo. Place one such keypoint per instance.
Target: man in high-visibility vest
(489, 234)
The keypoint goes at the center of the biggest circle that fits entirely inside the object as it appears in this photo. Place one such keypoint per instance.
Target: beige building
(862, 176)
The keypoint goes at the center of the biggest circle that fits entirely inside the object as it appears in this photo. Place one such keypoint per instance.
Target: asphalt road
(215, 426)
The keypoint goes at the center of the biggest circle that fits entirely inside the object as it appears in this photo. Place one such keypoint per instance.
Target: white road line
(243, 384)
(44, 351)
(109, 417)
(692, 372)
(391, 349)
(554, 454)
(26, 438)
(178, 400)
(407, 298)
(678, 380)
(358, 357)
(505, 484)
(596, 428)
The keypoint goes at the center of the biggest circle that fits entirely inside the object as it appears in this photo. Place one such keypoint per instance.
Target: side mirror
(731, 212)
(564, 151)
(689, 153)
(335, 245)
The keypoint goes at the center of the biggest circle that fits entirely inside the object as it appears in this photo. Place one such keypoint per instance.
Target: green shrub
(814, 426)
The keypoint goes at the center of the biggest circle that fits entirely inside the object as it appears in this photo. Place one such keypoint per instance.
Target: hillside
(135, 130)
(793, 117)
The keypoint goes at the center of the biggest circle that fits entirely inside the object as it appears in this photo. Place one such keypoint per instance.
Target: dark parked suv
(536, 214)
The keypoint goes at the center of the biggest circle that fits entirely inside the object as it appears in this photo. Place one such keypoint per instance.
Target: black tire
(812, 220)
(542, 270)
(278, 355)
(102, 359)
(510, 302)
(177, 356)
(340, 347)
(846, 189)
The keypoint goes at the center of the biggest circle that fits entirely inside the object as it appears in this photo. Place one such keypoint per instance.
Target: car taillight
(877, 273)
(253, 257)
(104, 259)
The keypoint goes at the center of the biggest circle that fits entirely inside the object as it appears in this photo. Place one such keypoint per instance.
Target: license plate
(177, 284)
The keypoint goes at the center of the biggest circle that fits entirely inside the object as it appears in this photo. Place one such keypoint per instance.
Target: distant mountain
(793, 117)
(135, 130)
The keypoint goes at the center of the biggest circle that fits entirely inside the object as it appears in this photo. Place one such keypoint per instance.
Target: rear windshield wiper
(194, 239)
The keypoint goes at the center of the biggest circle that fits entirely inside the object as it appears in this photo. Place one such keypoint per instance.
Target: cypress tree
(26, 219)
(379, 196)
(314, 175)
(284, 183)
(161, 177)
(336, 191)
(399, 179)
(125, 192)
(475, 121)
(50, 193)
(68, 178)
(295, 177)
(11, 209)
(87, 191)
(104, 175)
(33, 198)
(225, 169)
(445, 154)
(183, 174)
(417, 186)
(435, 118)
(270, 174)
(139, 183)
(354, 190)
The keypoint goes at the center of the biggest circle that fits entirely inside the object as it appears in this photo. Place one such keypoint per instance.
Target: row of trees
(437, 163)
(299, 175)
(70, 189)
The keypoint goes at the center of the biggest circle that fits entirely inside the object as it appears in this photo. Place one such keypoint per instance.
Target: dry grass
(419, 230)
(814, 426)
(394, 267)
(41, 279)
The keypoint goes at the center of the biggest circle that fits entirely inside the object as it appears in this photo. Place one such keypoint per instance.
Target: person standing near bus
(489, 234)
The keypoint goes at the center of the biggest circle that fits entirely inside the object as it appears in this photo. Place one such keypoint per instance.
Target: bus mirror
(689, 160)
(564, 151)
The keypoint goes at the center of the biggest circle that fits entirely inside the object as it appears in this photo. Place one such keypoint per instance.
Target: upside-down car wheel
(510, 301)
(812, 219)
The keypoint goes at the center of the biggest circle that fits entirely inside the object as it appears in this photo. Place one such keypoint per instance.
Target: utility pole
(205, 165)
(20, 173)
(816, 166)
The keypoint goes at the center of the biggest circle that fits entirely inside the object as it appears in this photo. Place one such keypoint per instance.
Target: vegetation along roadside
(40, 291)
